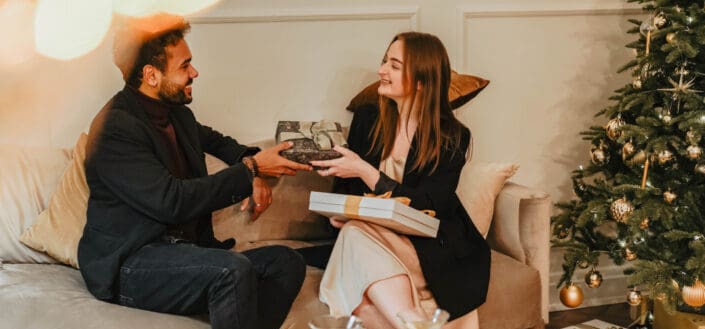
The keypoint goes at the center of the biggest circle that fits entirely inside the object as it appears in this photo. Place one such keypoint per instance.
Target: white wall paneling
(299, 64)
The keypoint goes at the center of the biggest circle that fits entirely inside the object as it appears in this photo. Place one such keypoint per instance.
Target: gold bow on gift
(388, 195)
(324, 133)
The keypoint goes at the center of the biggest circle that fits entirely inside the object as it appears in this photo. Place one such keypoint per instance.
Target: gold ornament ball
(637, 159)
(583, 264)
(644, 224)
(694, 152)
(700, 168)
(629, 254)
(636, 83)
(694, 295)
(571, 295)
(593, 278)
(634, 297)
(669, 196)
(659, 21)
(664, 156)
(620, 210)
(670, 37)
(613, 126)
(627, 150)
(599, 156)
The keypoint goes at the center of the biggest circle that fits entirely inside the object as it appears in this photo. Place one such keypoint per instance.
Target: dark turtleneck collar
(156, 109)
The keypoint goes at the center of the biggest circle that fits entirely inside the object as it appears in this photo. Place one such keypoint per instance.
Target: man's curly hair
(153, 52)
(143, 41)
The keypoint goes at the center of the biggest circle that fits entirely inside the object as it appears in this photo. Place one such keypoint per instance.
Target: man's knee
(235, 267)
(289, 260)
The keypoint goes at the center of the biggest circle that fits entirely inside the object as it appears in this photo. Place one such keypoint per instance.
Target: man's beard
(172, 93)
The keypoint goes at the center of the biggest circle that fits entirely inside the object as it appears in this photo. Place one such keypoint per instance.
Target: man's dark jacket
(134, 197)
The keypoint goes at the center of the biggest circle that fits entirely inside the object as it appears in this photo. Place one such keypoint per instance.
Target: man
(148, 241)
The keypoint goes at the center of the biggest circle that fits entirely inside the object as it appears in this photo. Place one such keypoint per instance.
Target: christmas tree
(641, 200)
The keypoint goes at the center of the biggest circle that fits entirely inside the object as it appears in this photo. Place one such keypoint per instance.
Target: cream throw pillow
(60, 226)
(28, 177)
(480, 183)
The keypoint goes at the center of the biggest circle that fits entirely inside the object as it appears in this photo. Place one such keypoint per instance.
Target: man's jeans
(249, 290)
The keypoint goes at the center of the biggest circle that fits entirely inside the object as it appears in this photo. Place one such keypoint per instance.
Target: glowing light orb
(65, 29)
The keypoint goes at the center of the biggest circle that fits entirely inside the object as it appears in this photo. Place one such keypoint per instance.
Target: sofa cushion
(38, 296)
(287, 217)
(29, 176)
(480, 183)
(59, 227)
(463, 88)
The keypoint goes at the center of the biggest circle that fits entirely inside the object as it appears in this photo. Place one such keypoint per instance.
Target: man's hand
(270, 163)
(260, 200)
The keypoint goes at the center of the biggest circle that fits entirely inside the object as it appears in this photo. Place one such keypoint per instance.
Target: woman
(412, 146)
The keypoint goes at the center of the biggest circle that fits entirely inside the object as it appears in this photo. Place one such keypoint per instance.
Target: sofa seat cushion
(511, 283)
(54, 296)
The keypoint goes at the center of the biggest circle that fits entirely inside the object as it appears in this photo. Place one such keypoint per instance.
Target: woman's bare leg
(393, 296)
(371, 317)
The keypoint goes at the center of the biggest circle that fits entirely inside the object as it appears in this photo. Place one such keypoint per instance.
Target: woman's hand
(260, 200)
(350, 165)
(270, 163)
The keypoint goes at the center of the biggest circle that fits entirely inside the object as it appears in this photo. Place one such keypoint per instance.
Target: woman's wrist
(369, 175)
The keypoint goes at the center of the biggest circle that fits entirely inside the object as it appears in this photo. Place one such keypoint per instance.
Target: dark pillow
(463, 87)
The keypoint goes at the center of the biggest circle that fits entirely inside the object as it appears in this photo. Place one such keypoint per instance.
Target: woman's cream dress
(365, 253)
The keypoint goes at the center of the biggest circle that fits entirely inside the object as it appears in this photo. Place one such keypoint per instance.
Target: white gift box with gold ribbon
(387, 212)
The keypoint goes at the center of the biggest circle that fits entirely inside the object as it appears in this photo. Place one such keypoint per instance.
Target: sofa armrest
(521, 229)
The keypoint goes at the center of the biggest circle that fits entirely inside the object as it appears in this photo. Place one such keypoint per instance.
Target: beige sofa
(36, 292)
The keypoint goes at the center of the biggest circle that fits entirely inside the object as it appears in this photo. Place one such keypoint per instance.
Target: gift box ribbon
(324, 133)
(352, 203)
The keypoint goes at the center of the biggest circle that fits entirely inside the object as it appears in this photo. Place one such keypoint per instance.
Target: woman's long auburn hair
(426, 64)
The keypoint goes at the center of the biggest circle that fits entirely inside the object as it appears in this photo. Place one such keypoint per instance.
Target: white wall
(552, 65)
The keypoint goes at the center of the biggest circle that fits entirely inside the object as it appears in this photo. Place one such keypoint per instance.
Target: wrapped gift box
(679, 320)
(312, 140)
(389, 213)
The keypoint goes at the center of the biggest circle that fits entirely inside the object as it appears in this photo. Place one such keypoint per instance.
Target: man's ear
(151, 75)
